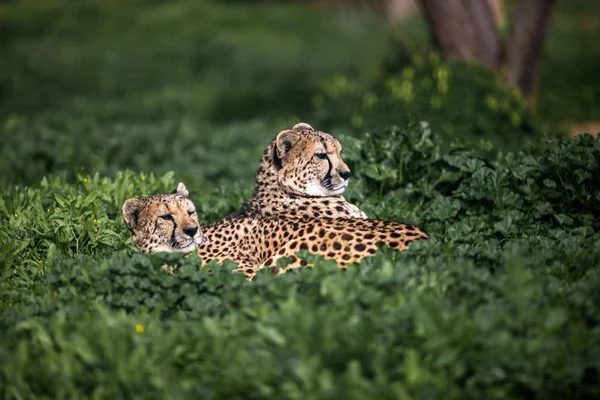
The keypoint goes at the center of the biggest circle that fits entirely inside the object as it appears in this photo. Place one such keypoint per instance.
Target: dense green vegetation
(100, 100)
(503, 301)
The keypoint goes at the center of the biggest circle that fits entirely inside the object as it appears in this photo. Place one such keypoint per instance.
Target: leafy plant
(501, 302)
(458, 100)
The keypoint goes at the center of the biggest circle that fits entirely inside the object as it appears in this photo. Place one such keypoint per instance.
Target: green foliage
(502, 302)
(547, 187)
(164, 58)
(571, 95)
(201, 152)
(463, 100)
(62, 219)
(103, 86)
(569, 85)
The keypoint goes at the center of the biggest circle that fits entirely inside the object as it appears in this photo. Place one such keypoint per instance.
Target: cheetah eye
(322, 156)
(167, 217)
(190, 213)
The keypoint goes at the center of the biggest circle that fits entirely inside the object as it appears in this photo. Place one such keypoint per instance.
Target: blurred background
(200, 87)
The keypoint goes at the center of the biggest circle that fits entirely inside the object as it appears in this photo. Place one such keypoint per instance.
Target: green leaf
(89, 199)
(60, 200)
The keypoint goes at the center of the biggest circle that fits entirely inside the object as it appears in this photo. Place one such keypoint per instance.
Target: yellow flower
(492, 103)
(139, 328)
(16, 215)
(85, 180)
(143, 177)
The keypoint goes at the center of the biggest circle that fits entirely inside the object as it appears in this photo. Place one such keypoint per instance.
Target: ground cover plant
(104, 101)
(503, 301)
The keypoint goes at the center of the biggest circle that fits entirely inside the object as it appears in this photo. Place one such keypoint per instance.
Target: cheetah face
(310, 163)
(166, 222)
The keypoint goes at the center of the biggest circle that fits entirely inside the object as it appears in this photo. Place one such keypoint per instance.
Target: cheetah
(302, 174)
(164, 222)
(168, 222)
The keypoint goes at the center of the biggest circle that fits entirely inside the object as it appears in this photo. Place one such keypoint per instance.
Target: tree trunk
(497, 7)
(525, 44)
(464, 30)
(397, 10)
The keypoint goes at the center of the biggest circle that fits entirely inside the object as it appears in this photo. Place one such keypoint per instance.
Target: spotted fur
(256, 242)
(165, 222)
(302, 174)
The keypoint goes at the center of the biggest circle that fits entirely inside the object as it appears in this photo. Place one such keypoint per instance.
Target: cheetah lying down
(168, 222)
(302, 174)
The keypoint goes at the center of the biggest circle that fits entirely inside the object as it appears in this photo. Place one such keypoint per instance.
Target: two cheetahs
(297, 204)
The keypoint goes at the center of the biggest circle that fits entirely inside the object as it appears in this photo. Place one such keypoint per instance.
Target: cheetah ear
(181, 190)
(303, 126)
(285, 141)
(131, 211)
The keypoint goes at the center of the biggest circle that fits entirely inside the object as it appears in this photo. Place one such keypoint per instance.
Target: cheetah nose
(346, 175)
(191, 231)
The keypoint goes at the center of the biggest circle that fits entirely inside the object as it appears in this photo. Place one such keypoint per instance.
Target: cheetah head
(165, 222)
(309, 162)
